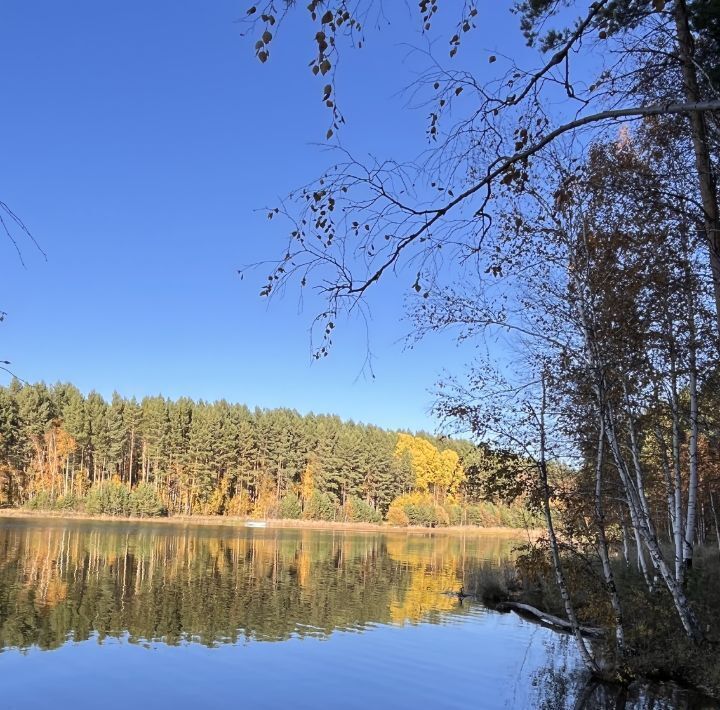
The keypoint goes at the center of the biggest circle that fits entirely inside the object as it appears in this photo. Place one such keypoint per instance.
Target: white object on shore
(255, 524)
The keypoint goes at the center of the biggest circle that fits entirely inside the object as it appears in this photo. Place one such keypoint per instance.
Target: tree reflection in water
(220, 585)
(212, 587)
(564, 684)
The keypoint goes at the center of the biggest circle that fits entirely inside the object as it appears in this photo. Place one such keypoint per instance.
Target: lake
(114, 615)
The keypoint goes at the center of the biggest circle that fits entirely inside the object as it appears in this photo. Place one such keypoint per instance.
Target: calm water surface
(116, 615)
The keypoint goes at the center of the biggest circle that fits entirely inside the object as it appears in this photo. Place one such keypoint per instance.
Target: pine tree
(200, 457)
(12, 450)
(132, 417)
(96, 408)
(116, 436)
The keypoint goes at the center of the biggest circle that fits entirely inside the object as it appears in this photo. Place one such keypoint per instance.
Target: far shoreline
(239, 522)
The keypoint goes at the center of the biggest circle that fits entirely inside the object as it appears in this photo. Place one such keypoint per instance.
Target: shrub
(490, 582)
(419, 509)
(421, 514)
(441, 516)
(290, 507)
(474, 515)
(118, 500)
(454, 513)
(68, 502)
(94, 501)
(145, 502)
(108, 499)
(240, 505)
(215, 504)
(319, 506)
(358, 511)
(41, 501)
(397, 516)
(266, 505)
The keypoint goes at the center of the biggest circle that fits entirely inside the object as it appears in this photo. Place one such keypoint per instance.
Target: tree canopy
(61, 449)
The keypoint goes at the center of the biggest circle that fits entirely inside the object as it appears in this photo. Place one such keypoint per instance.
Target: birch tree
(488, 126)
(611, 304)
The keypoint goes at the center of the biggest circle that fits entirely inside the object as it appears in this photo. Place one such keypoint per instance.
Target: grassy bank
(233, 521)
(657, 647)
(111, 498)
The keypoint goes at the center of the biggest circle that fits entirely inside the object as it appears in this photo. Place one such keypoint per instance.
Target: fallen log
(554, 622)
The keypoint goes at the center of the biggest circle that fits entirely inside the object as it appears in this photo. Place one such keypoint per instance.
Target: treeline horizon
(61, 449)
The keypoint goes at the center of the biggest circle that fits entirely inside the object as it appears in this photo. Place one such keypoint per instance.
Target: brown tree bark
(701, 149)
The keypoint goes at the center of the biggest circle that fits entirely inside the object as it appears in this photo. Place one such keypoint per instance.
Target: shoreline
(238, 522)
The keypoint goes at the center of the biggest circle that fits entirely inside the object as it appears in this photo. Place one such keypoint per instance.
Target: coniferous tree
(59, 448)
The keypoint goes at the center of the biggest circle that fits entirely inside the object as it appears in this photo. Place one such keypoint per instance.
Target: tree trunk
(677, 479)
(701, 150)
(626, 550)
(690, 524)
(674, 527)
(587, 659)
(132, 457)
(602, 543)
(715, 519)
(647, 532)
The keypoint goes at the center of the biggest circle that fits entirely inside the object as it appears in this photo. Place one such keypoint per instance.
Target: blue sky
(139, 140)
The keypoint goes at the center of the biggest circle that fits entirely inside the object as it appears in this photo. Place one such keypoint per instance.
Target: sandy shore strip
(231, 521)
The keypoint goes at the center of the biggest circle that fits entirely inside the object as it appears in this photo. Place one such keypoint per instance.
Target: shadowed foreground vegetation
(656, 647)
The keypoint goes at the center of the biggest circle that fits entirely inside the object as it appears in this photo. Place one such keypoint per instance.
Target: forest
(62, 450)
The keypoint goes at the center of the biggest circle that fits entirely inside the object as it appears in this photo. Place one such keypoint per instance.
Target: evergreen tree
(96, 408)
(116, 436)
(58, 447)
(12, 450)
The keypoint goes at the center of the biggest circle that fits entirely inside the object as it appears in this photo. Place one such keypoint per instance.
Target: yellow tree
(450, 473)
(437, 471)
(307, 478)
(52, 461)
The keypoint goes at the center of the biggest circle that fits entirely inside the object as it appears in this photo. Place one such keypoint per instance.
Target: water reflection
(176, 613)
(217, 585)
(566, 685)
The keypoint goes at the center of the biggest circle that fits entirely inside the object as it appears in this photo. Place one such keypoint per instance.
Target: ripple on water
(183, 616)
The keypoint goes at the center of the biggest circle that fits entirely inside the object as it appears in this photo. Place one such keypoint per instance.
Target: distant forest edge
(61, 450)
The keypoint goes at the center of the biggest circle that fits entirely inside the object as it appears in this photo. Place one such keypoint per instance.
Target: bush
(419, 509)
(397, 516)
(41, 501)
(265, 505)
(68, 502)
(320, 506)
(358, 511)
(215, 504)
(118, 500)
(108, 499)
(475, 515)
(290, 507)
(454, 513)
(145, 502)
(240, 505)
(422, 514)
(94, 501)
(492, 583)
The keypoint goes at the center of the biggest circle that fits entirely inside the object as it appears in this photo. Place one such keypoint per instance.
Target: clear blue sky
(138, 140)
